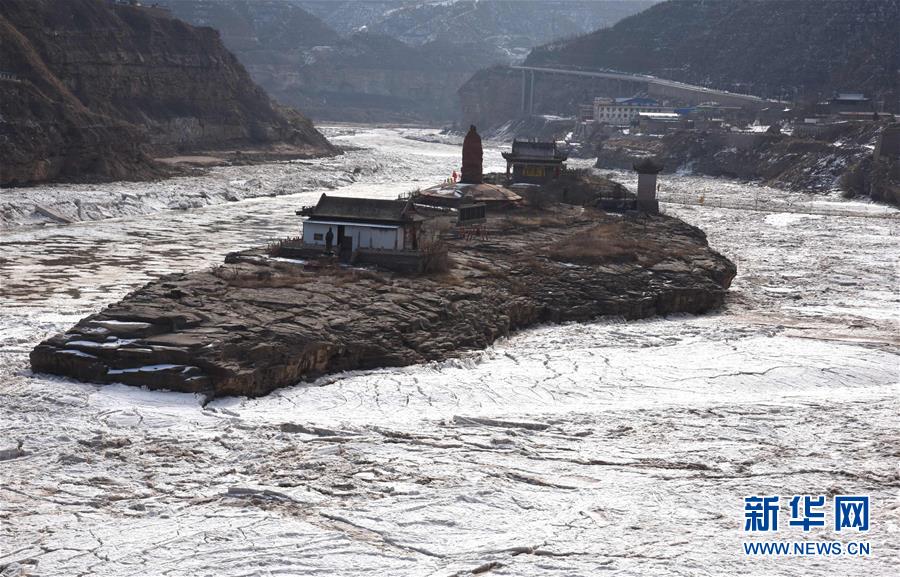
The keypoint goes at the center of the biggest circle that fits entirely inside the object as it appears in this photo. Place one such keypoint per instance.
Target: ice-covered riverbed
(608, 448)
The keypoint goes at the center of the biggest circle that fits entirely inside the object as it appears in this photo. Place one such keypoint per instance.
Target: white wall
(363, 236)
(311, 228)
(388, 238)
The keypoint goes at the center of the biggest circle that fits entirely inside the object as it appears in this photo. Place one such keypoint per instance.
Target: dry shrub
(436, 258)
(276, 277)
(531, 221)
(617, 242)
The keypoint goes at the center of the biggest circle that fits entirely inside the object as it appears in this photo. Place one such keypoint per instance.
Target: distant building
(714, 110)
(534, 162)
(660, 122)
(624, 111)
(362, 223)
(774, 115)
(585, 112)
(850, 102)
(708, 124)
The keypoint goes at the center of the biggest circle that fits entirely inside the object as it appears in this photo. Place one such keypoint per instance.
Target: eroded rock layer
(90, 89)
(249, 327)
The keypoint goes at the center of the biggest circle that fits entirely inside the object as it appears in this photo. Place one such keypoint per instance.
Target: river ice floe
(582, 449)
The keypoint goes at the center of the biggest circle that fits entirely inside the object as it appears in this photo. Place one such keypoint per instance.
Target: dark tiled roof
(526, 149)
(647, 165)
(360, 209)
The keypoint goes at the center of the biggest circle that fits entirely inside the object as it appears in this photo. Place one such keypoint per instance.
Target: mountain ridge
(383, 61)
(802, 49)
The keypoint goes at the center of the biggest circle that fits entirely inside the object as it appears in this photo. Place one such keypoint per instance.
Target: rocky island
(260, 323)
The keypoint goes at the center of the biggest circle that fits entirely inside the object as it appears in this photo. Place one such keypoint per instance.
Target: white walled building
(624, 111)
(362, 223)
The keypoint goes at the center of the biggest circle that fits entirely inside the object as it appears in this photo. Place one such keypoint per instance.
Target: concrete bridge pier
(527, 91)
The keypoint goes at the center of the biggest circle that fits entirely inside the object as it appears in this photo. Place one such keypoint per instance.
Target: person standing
(329, 239)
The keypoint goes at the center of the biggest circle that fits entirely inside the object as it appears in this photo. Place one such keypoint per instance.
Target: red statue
(472, 156)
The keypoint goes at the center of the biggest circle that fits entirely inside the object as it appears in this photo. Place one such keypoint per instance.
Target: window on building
(318, 236)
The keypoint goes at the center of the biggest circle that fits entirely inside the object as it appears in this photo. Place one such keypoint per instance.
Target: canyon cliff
(95, 90)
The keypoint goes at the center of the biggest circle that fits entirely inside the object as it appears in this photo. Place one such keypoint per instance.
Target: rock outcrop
(93, 89)
(256, 324)
(842, 159)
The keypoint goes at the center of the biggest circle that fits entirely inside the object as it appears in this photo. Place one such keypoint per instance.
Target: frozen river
(609, 448)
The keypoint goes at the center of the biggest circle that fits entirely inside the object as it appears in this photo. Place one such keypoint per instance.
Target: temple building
(347, 224)
(534, 162)
(850, 102)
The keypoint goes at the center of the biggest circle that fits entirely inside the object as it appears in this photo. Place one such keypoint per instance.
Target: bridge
(653, 86)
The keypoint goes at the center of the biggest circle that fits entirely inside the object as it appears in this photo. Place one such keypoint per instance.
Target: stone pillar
(647, 169)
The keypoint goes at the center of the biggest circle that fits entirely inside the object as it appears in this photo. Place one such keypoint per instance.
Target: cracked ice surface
(583, 449)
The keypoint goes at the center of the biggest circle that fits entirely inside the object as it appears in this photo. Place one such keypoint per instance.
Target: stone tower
(647, 169)
(472, 157)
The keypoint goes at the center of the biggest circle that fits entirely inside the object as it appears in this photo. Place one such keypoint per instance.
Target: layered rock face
(841, 159)
(257, 324)
(94, 88)
(45, 131)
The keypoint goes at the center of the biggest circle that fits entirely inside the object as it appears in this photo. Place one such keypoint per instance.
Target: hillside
(254, 29)
(361, 76)
(94, 90)
(771, 48)
(509, 27)
(385, 61)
